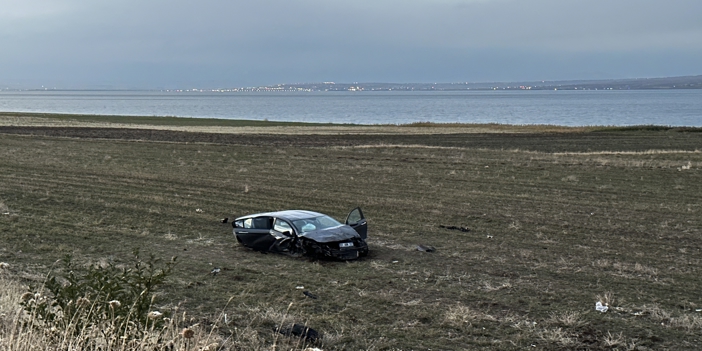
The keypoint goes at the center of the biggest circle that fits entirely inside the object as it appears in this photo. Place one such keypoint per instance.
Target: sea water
(567, 108)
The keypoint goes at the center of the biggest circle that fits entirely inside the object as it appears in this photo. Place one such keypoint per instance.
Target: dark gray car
(300, 232)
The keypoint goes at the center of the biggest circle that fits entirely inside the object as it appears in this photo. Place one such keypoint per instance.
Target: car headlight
(345, 245)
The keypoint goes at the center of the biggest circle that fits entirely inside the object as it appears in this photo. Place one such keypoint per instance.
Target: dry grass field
(558, 220)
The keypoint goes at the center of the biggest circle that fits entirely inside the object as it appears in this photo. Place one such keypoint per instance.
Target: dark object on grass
(300, 331)
(453, 227)
(215, 271)
(310, 295)
(225, 220)
(425, 248)
(297, 233)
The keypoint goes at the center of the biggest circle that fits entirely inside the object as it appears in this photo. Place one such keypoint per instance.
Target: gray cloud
(161, 43)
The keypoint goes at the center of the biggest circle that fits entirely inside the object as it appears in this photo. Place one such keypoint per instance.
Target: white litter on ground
(600, 307)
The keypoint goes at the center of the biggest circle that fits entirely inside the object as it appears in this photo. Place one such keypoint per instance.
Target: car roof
(287, 214)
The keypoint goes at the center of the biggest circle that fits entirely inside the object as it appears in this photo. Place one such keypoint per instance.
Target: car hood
(329, 235)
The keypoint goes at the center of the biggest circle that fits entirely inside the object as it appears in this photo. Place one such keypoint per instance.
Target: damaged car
(301, 232)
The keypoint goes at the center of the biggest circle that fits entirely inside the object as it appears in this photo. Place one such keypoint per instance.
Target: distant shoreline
(659, 83)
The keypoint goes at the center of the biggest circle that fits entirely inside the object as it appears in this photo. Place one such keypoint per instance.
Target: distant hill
(686, 82)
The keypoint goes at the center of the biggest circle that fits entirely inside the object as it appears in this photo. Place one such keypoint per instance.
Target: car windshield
(316, 223)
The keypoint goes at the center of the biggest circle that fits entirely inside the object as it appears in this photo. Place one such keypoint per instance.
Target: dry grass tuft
(613, 340)
(692, 324)
(570, 178)
(607, 299)
(571, 319)
(558, 336)
(23, 331)
(461, 315)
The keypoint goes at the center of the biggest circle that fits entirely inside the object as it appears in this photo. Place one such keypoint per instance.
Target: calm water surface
(569, 108)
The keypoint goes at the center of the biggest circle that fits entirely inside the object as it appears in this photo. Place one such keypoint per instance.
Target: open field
(225, 126)
(558, 221)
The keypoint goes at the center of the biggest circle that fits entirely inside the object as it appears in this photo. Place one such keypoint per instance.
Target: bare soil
(543, 142)
(550, 224)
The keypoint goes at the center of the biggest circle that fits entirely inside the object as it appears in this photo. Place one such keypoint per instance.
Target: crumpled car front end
(340, 242)
(349, 249)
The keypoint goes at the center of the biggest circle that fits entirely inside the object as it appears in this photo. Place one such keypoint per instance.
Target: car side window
(248, 223)
(355, 216)
(281, 226)
(262, 223)
(239, 224)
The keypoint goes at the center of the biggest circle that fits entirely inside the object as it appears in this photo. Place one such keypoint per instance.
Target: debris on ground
(425, 248)
(300, 331)
(198, 210)
(310, 295)
(4, 265)
(453, 227)
(215, 271)
(600, 307)
(685, 167)
(224, 220)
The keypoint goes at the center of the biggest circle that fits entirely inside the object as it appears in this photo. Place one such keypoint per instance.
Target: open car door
(358, 222)
(255, 233)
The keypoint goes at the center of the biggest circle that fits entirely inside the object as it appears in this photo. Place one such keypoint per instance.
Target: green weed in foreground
(73, 299)
(81, 325)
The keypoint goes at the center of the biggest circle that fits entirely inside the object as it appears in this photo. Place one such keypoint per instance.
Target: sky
(157, 44)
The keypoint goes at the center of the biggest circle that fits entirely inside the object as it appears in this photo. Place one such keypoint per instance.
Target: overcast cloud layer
(230, 43)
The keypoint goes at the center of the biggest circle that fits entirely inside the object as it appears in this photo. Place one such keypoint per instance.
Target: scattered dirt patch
(542, 142)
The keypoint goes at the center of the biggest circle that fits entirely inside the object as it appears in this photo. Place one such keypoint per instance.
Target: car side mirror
(287, 233)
